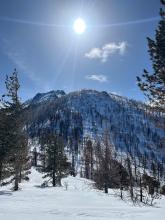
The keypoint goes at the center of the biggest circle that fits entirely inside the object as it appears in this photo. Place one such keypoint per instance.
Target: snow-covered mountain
(133, 127)
(45, 97)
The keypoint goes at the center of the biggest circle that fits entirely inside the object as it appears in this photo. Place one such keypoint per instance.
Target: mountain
(133, 127)
(45, 97)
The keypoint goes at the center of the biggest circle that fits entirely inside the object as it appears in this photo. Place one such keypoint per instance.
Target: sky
(37, 38)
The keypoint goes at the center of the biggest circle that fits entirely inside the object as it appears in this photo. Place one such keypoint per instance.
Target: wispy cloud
(99, 78)
(106, 50)
(21, 21)
(18, 58)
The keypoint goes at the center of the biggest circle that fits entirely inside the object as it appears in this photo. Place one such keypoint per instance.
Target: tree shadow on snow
(5, 192)
(42, 186)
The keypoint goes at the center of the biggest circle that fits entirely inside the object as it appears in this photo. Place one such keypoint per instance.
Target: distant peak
(46, 97)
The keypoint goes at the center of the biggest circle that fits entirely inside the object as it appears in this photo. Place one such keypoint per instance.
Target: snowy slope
(79, 202)
(132, 126)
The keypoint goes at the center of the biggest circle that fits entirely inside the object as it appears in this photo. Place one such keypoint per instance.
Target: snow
(80, 201)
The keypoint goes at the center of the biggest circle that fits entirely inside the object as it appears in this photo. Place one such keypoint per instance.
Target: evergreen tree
(17, 156)
(153, 85)
(34, 157)
(88, 159)
(6, 129)
(56, 165)
(3, 141)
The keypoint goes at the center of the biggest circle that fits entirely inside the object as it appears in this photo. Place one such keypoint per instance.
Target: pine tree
(56, 165)
(34, 157)
(153, 85)
(3, 141)
(6, 128)
(17, 156)
(88, 159)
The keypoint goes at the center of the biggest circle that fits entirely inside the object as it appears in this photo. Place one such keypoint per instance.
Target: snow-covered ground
(80, 201)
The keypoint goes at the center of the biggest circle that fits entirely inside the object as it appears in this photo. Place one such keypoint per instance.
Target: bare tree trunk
(141, 190)
(35, 157)
(91, 163)
(59, 176)
(1, 168)
(73, 166)
(130, 178)
(105, 188)
(16, 180)
(54, 169)
(54, 179)
(121, 192)
(20, 176)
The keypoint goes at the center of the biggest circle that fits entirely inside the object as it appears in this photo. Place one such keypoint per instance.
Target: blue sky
(37, 38)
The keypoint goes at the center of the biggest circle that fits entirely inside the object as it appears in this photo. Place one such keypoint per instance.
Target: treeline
(96, 159)
(123, 171)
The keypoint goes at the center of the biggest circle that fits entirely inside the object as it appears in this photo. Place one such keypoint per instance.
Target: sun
(79, 26)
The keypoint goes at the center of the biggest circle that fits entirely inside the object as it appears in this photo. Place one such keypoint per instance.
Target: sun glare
(79, 26)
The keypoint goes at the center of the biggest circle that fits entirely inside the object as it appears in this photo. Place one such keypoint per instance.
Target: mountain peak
(44, 97)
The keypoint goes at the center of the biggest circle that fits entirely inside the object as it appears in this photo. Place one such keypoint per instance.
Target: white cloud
(94, 53)
(106, 50)
(99, 78)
